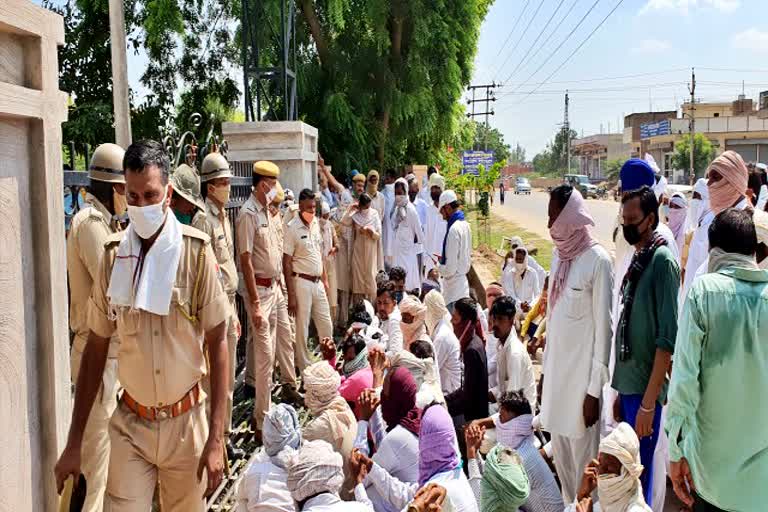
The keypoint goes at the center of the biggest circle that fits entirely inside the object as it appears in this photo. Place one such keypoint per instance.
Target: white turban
(315, 469)
(412, 306)
(424, 373)
(321, 383)
(281, 429)
(618, 493)
(325, 208)
(701, 187)
(437, 181)
(436, 310)
(516, 242)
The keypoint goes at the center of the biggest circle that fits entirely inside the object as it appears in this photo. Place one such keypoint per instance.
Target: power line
(561, 44)
(513, 28)
(636, 75)
(534, 42)
(580, 45)
(514, 48)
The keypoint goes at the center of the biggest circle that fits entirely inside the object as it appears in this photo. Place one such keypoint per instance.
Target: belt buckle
(162, 414)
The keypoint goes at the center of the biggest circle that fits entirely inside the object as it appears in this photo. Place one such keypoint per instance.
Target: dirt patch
(487, 264)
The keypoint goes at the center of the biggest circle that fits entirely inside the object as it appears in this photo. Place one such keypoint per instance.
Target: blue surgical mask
(398, 297)
(665, 211)
(184, 218)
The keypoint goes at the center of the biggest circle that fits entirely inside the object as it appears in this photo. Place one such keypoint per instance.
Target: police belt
(187, 402)
(308, 277)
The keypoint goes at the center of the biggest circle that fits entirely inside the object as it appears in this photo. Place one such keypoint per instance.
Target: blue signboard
(470, 160)
(648, 130)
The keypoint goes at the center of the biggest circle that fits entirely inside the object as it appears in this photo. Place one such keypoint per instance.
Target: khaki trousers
(262, 353)
(286, 342)
(95, 448)
(233, 335)
(145, 452)
(311, 302)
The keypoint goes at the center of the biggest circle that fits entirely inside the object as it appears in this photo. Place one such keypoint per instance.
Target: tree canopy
(492, 139)
(703, 153)
(553, 160)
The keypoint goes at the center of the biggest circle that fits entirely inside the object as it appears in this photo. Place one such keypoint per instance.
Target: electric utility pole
(692, 123)
(567, 130)
(489, 97)
(121, 106)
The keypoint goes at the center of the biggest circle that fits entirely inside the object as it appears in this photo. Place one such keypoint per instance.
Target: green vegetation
(553, 160)
(703, 153)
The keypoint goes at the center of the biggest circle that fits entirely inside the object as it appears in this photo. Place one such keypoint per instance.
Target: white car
(522, 186)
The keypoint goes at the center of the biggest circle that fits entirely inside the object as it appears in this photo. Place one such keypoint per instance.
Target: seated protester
(520, 281)
(518, 242)
(439, 463)
(397, 277)
(500, 484)
(315, 478)
(515, 370)
(389, 317)
(512, 427)
(615, 474)
(412, 314)
(470, 401)
(394, 425)
(492, 292)
(362, 323)
(356, 374)
(263, 487)
(447, 350)
(364, 306)
(420, 362)
(431, 282)
(332, 419)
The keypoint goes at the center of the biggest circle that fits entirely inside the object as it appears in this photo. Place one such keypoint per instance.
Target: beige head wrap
(620, 492)
(321, 382)
(412, 306)
(315, 469)
(727, 191)
(425, 374)
(436, 310)
(437, 181)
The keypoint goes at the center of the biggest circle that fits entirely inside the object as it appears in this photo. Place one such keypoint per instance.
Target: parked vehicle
(581, 182)
(522, 186)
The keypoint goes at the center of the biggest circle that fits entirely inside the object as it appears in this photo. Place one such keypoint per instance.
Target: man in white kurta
(447, 348)
(578, 339)
(408, 236)
(378, 203)
(520, 281)
(456, 259)
(434, 231)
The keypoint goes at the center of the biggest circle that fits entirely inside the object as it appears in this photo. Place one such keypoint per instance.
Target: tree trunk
(396, 40)
(307, 8)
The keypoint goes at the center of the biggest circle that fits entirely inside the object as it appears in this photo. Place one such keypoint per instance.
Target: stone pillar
(35, 390)
(292, 145)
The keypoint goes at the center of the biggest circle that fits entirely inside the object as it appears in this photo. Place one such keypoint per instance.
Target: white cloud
(685, 6)
(652, 46)
(751, 39)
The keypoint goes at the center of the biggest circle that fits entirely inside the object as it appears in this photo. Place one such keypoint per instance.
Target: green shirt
(717, 416)
(652, 324)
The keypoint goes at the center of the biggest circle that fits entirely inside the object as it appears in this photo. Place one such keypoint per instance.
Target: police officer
(91, 226)
(187, 202)
(214, 222)
(260, 264)
(305, 276)
(158, 287)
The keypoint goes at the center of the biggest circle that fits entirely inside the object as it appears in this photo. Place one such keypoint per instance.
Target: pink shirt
(351, 387)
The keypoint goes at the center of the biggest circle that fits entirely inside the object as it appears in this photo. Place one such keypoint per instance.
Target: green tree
(703, 153)
(493, 139)
(517, 155)
(381, 78)
(553, 160)
(612, 169)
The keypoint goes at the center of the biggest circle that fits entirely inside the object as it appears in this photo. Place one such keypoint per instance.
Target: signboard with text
(470, 161)
(648, 130)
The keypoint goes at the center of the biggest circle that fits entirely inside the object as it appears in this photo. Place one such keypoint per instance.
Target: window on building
(717, 114)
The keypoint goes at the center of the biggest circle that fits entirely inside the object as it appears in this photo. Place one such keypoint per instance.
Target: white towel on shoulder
(153, 289)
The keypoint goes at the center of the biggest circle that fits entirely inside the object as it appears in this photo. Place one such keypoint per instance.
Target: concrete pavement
(530, 212)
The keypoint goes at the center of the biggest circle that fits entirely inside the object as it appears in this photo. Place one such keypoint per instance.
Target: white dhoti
(571, 457)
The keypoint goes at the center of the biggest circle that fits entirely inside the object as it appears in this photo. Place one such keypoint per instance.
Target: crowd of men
(419, 399)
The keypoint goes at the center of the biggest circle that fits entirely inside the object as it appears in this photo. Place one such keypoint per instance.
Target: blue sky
(650, 44)
(639, 58)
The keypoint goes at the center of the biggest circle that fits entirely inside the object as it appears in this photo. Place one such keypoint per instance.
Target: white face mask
(390, 187)
(694, 211)
(401, 200)
(521, 266)
(271, 195)
(146, 220)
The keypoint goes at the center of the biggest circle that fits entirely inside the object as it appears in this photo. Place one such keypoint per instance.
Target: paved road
(530, 212)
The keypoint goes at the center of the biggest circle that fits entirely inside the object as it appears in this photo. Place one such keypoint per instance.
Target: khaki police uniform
(305, 245)
(286, 333)
(91, 227)
(160, 364)
(215, 223)
(256, 233)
